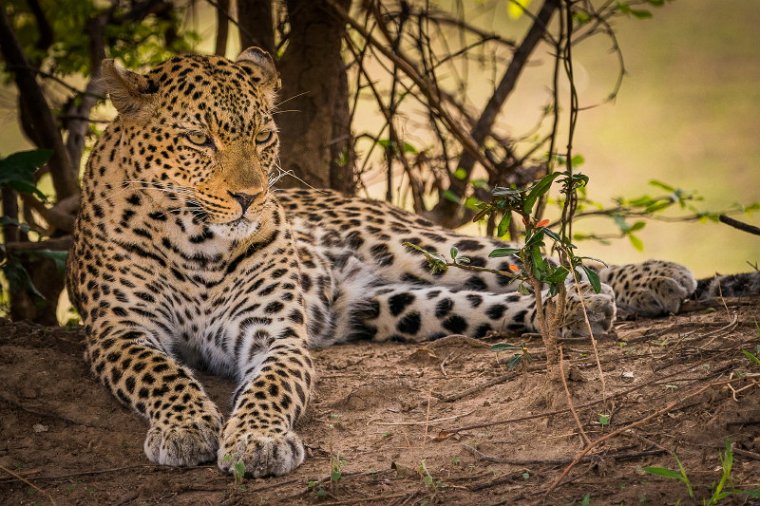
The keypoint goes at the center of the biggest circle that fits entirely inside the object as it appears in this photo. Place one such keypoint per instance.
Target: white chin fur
(237, 229)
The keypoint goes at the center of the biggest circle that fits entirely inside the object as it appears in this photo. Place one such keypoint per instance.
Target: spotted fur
(185, 256)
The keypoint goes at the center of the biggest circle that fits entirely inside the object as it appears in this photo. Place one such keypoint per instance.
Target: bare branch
(482, 128)
(430, 92)
(57, 244)
(740, 225)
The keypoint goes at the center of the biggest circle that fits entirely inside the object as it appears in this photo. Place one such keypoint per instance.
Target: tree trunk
(256, 24)
(48, 280)
(315, 135)
(222, 27)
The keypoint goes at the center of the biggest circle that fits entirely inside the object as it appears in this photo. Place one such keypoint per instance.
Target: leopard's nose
(244, 199)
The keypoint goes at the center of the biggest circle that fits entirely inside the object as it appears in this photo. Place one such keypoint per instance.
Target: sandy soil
(450, 422)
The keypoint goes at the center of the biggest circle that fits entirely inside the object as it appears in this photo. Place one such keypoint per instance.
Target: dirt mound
(451, 421)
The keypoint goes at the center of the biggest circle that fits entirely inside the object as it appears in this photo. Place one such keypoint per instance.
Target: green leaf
(454, 252)
(6, 220)
(516, 8)
(58, 257)
(553, 235)
(751, 357)
(460, 174)
(604, 419)
(472, 203)
(636, 242)
(581, 17)
(664, 472)
(593, 278)
(586, 500)
(621, 223)
(539, 189)
(19, 279)
(501, 191)
(32, 158)
(537, 239)
(643, 201)
(637, 226)
(480, 183)
(558, 275)
(450, 195)
(504, 347)
(389, 145)
(503, 227)
(658, 206)
(503, 252)
(637, 13)
(663, 186)
(641, 13)
(539, 264)
(408, 148)
(17, 170)
(577, 160)
(514, 361)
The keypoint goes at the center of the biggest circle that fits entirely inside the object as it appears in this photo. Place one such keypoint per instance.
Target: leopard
(187, 255)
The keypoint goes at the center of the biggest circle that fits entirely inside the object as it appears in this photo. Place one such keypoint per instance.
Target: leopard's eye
(263, 136)
(198, 138)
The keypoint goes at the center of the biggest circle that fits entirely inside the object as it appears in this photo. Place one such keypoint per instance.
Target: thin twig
(570, 405)
(740, 225)
(21, 478)
(517, 461)
(580, 455)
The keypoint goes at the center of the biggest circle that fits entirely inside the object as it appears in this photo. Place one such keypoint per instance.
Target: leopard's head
(197, 132)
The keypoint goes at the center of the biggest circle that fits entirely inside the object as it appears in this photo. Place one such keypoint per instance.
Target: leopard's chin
(239, 228)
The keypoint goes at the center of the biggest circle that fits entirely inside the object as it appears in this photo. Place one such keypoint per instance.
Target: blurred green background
(688, 114)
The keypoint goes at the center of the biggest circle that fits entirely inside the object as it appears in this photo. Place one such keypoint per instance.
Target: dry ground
(446, 422)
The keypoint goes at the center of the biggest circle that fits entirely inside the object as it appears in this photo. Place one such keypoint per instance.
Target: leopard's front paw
(261, 453)
(652, 288)
(599, 308)
(190, 443)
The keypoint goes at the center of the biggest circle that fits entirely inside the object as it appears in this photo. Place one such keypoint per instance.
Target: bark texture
(315, 136)
(256, 24)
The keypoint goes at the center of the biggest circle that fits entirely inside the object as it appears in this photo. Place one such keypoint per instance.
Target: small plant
(336, 469)
(318, 488)
(433, 485)
(528, 264)
(521, 355)
(237, 468)
(336, 474)
(751, 357)
(719, 491)
(671, 474)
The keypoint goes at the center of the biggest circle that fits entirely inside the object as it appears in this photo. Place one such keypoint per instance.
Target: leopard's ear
(260, 65)
(130, 92)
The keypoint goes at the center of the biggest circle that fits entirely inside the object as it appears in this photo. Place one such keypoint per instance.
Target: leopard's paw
(651, 288)
(600, 309)
(188, 444)
(258, 453)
